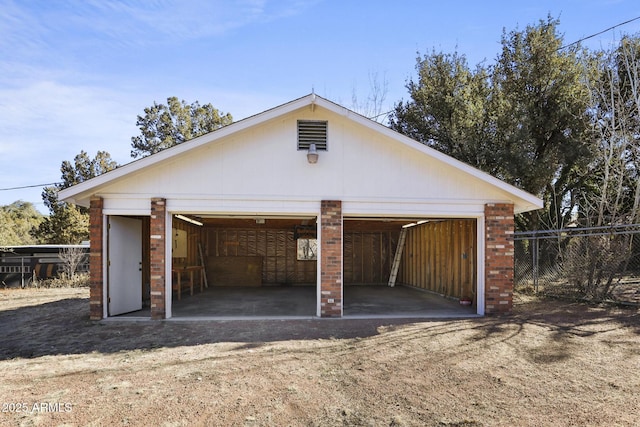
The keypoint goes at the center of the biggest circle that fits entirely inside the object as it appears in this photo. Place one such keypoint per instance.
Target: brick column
(499, 262)
(331, 258)
(96, 264)
(157, 257)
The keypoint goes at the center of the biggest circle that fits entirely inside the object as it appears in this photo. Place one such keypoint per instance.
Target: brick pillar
(157, 258)
(96, 239)
(499, 262)
(331, 258)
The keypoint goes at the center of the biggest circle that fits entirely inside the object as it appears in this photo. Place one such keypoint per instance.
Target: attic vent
(312, 132)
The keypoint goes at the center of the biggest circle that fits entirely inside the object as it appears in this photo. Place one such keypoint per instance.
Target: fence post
(535, 256)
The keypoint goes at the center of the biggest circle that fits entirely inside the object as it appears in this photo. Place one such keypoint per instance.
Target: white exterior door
(125, 265)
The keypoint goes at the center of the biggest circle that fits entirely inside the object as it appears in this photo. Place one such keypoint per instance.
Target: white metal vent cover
(312, 132)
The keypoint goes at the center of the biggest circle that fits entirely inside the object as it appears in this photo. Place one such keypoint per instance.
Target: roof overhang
(81, 194)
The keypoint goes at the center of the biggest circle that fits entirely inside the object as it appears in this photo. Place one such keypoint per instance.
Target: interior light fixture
(413, 224)
(192, 221)
(312, 154)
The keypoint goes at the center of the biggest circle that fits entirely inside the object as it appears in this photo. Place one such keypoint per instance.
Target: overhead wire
(390, 111)
(29, 186)
(598, 33)
(560, 48)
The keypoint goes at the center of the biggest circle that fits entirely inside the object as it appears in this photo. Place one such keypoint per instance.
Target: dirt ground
(551, 363)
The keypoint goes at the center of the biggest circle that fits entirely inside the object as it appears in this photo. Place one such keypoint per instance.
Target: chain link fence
(597, 264)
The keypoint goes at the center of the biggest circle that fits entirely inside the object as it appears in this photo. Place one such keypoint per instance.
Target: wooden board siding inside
(369, 247)
(440, 256)
(368, 256)
(276, 248)
(194, 235)
(235, 271)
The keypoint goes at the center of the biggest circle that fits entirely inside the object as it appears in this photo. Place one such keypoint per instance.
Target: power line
(598, 33)
(563, 47)
(29, 186)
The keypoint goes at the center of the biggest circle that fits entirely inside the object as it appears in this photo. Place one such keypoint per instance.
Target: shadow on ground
(63, 327)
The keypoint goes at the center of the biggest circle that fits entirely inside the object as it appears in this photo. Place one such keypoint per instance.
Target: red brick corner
(331, 258)
(157, 258)
(499, 261)
(96, 265)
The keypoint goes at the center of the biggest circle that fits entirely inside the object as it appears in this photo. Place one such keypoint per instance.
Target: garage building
(306, 197)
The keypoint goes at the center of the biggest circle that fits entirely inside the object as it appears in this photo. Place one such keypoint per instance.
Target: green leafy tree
(542, 103)
(65, 226)
(449, 110)
(524, 119)
(164, 126)
(68, 224)
(16, 223)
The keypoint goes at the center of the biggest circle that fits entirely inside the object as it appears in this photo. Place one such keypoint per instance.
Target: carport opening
(436, 270)
(267, 267)
(243, 266)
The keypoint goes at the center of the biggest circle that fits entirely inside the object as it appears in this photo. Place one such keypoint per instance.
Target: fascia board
(72, 194)
(531, 202)
(528, 201)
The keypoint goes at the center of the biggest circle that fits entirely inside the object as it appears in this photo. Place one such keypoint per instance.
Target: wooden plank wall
(278, 249)
(368, 256)
(234, 270)
(441, 257)
(194, 235)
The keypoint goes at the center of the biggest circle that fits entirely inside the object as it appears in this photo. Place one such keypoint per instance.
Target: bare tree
(373, 106)
(615, 106)
(72, 257)
(611, 194)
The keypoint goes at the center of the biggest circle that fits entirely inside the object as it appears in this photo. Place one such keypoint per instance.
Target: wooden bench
(192, 269)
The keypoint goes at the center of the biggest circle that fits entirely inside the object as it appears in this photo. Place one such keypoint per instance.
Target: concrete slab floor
(236, 301)
(360, 301)
(400, 302)
(300, 301)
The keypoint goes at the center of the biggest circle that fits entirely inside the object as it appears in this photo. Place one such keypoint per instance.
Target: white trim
(480, 262)
(127, 212)
(318, 265)
(184, 197)
(341, 261)
(247, 206)
(105, 266)
(234, 204)
(365, 209)
(168, 261)
(319, 260)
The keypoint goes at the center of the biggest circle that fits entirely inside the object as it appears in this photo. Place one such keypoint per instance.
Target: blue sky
(75, 74)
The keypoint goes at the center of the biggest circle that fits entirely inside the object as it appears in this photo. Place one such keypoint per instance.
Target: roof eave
(81, 193)
(529, 201)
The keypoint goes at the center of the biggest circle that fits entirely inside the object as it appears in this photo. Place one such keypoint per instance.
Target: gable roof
(81, 193)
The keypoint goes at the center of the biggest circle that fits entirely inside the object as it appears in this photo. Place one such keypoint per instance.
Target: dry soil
(550, 363)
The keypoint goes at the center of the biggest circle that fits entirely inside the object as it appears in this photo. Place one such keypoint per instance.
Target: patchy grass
(550, 363)
(75, 281)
